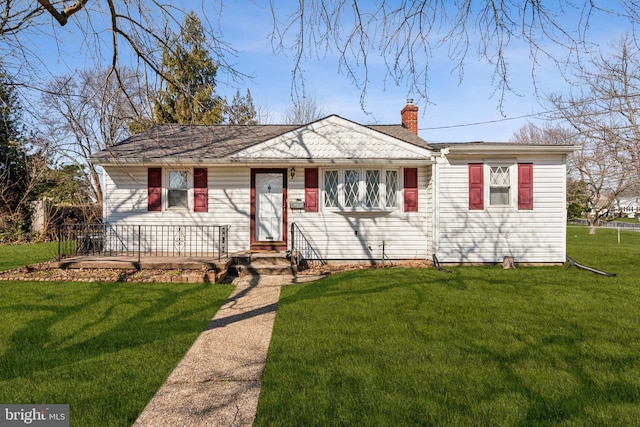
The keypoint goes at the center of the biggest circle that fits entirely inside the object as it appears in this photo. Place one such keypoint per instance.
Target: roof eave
(259, 161)
(509, 149)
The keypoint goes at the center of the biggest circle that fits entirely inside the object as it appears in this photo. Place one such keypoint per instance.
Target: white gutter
(462, 149)
(168, 161)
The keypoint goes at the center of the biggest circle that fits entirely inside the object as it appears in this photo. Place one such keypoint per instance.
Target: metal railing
(301, 245)
(112, 240)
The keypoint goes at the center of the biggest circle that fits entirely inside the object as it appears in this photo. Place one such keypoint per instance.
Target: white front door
(269, 199)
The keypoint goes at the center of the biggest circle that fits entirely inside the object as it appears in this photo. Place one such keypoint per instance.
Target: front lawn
(479, 346)
(102, 348)
(12, 256)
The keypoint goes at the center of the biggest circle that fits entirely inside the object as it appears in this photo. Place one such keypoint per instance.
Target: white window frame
(358, 203)
(378, 187)
(362, 188)
(384, 194)
(167, 188)
(512, 193)
(324, 192)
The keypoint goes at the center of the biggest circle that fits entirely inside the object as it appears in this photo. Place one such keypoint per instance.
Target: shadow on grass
(481, 346)
(559, 377)
(113, 318)
(368, 282)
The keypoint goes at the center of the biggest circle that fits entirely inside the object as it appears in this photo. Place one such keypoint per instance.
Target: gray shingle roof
(191, 141)
(402, 133)
(213, 141)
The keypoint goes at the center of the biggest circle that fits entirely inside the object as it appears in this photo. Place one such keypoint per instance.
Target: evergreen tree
(13, 155)
(66, 184)
(242, 111)
(188, 94)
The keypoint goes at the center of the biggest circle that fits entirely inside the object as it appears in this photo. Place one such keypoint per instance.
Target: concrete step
(263, 263)
(278, 270)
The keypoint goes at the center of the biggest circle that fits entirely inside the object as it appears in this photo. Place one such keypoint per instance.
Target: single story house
(629, 206)
(352, 192)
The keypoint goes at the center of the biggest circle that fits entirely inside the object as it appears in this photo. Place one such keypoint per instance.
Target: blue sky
(447, 117)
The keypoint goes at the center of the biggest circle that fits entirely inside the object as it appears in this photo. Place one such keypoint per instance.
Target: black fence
(111, 240)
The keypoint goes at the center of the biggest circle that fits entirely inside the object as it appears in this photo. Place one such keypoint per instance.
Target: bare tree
(605, 113)
(111, 31)
(304, 110)
(88, 112)
(605, 178)
(545, 133)
(407, 34)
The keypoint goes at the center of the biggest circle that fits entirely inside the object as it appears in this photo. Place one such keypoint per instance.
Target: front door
(268, 216)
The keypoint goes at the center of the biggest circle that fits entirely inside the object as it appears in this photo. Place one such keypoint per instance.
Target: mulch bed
(47, 272)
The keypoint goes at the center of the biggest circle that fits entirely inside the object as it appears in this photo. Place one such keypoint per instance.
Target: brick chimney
(410, 116)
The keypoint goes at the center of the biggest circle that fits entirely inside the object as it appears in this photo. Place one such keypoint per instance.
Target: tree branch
(62, 17)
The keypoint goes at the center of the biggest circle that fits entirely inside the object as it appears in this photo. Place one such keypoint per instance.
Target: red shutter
(410, 189)
(154, 189)
(476, 186)
(525, 186)
(311, 189)
(200, 190)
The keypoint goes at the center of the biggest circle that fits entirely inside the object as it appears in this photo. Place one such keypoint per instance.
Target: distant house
(626, 206)
(352, 190)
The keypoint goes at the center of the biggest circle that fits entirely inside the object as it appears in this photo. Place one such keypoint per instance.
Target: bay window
(360, 189)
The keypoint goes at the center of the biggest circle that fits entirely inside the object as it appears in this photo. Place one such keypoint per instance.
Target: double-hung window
(500, 186)
(178, 190)
(509, 185)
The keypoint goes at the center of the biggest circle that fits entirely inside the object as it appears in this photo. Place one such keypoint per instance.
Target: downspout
(104, 195)
(441, 160)
(564, 197)
(435, 216)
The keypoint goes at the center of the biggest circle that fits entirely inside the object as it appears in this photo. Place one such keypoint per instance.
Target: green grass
(104, 349)
(631, 220)
(479, 346)
(13, 256)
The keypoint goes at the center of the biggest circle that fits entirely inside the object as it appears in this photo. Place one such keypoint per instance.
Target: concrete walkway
(218, 381)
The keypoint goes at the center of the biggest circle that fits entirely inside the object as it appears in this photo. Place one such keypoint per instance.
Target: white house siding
(333, 234)
(487, 236)
(228, 195)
